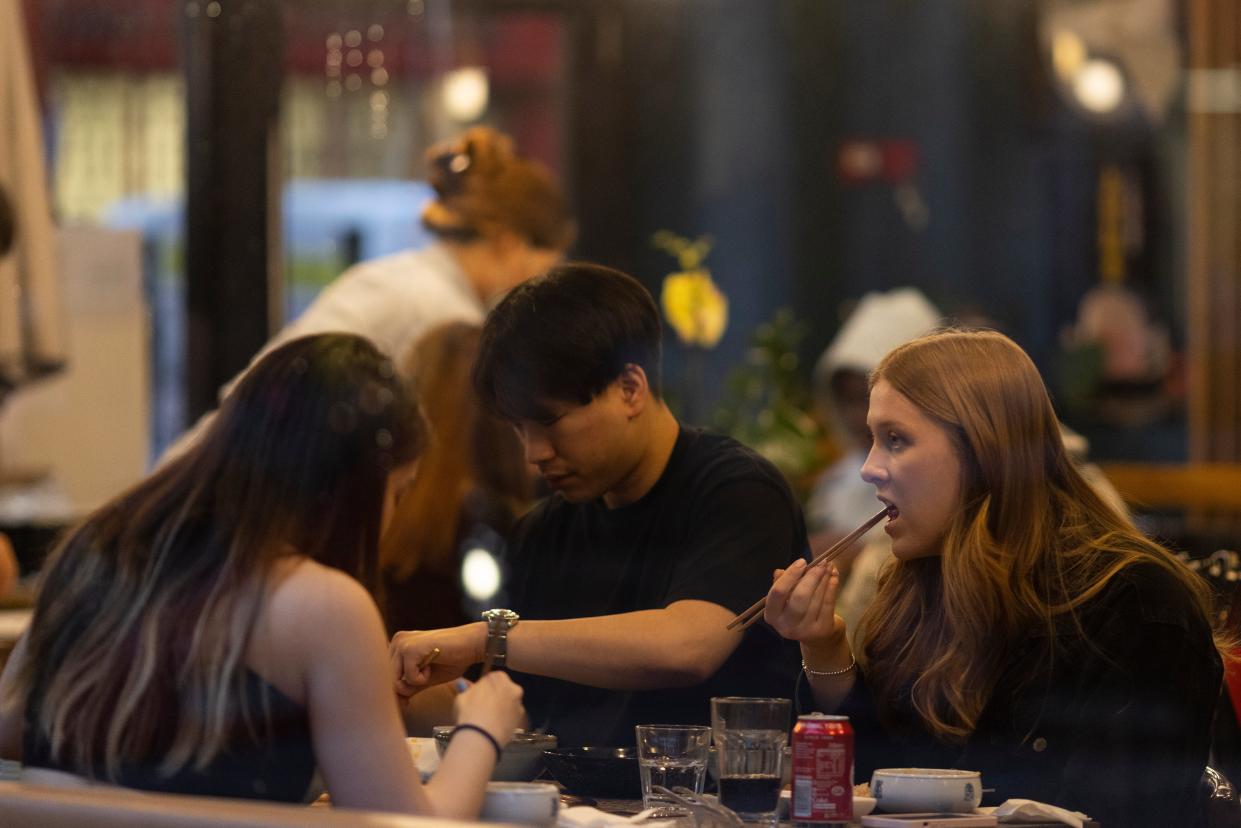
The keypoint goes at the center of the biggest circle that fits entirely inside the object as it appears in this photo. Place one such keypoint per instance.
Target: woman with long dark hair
(213, 631)
(1026, 630)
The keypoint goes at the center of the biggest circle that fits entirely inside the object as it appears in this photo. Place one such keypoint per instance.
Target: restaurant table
(629, 807)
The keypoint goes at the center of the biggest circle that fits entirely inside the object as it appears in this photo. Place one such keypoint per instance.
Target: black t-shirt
(714, 526)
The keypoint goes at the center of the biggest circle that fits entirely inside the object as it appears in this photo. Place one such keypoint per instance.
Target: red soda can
(822, 769)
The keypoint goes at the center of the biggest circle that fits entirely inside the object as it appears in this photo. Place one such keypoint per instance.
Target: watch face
(501, 615)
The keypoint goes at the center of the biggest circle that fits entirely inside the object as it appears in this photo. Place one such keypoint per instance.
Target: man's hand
(414, 668)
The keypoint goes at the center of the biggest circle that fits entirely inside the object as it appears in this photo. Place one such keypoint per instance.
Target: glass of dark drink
(750, 735)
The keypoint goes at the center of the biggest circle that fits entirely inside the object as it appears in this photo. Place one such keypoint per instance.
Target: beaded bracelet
(841, 672)
(495, 744)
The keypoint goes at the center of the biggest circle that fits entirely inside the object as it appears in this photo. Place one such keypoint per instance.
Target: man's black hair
(566, 336)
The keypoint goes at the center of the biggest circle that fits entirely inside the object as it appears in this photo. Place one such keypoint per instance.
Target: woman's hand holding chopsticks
(801, 604)
(755, 611)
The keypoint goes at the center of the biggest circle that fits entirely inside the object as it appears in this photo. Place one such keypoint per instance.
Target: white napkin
(583, 816)
(425, 755)
(1017, 811)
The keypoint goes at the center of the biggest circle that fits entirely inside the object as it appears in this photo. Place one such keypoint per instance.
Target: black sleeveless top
(277, 765)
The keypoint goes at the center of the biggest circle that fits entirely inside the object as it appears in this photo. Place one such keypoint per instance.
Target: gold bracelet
(810, 672)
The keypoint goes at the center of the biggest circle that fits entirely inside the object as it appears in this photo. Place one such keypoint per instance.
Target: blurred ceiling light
(466, 92)
(1099, 86)
(1068, 53)
(1140, 39)
(480, 574)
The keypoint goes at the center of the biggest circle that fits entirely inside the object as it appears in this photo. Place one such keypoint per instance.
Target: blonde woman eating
(1026, 629)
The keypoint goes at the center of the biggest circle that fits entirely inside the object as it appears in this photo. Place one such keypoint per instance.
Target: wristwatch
(499, 622)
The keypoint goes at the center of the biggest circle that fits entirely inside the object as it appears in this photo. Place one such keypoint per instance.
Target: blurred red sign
(892, 160)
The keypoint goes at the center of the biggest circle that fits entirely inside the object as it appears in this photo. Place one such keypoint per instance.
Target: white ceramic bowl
(527, 803)
(911, 790)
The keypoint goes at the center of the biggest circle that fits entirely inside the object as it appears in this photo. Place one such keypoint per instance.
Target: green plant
(767, 403)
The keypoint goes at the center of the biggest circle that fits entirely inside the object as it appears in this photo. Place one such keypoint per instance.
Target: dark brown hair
(137, 645)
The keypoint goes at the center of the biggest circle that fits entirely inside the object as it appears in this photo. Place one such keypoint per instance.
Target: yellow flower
(695, 308)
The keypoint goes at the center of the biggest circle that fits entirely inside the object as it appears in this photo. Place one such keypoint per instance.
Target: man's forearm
(678, 646)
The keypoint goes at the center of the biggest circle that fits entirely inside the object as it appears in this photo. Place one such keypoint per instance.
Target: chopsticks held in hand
(428, 658)
(755, 611)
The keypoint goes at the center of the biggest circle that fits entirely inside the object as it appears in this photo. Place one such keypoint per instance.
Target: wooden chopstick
(428, 658)
(755, 611)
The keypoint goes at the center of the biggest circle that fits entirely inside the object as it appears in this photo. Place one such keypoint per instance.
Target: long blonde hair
(136, 650)
(1030, 544)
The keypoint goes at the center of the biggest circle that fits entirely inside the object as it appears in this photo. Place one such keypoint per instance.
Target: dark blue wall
(738, 111)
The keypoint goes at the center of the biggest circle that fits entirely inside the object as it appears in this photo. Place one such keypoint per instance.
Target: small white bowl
(526, 803)
(913, 790)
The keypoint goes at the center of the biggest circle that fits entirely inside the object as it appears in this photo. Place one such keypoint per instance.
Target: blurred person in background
(841, 499)
(498, 219)
(472, 483)
(212, 631)
(1027, 629)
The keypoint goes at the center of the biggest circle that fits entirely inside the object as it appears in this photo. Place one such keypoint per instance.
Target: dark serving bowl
(601, 772)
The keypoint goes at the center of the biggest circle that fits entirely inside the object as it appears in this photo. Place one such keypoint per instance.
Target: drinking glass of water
(672, 756)
(750, 735)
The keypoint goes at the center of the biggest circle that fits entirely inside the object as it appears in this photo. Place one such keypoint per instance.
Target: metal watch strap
(499, 622)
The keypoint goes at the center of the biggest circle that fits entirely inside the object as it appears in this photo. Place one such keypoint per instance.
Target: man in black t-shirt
(654, 538)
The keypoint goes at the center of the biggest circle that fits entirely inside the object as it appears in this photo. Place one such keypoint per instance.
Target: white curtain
(32, 327)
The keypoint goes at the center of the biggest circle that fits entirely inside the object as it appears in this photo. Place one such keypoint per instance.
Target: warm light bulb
(466, 91)
(480, 575)
(1099, 86)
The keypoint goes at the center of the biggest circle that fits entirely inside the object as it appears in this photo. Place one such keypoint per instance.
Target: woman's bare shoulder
(313, 615)
(306, 595)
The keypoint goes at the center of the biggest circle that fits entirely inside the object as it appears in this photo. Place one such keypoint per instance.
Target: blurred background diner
(440, 571)
(183, 180)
